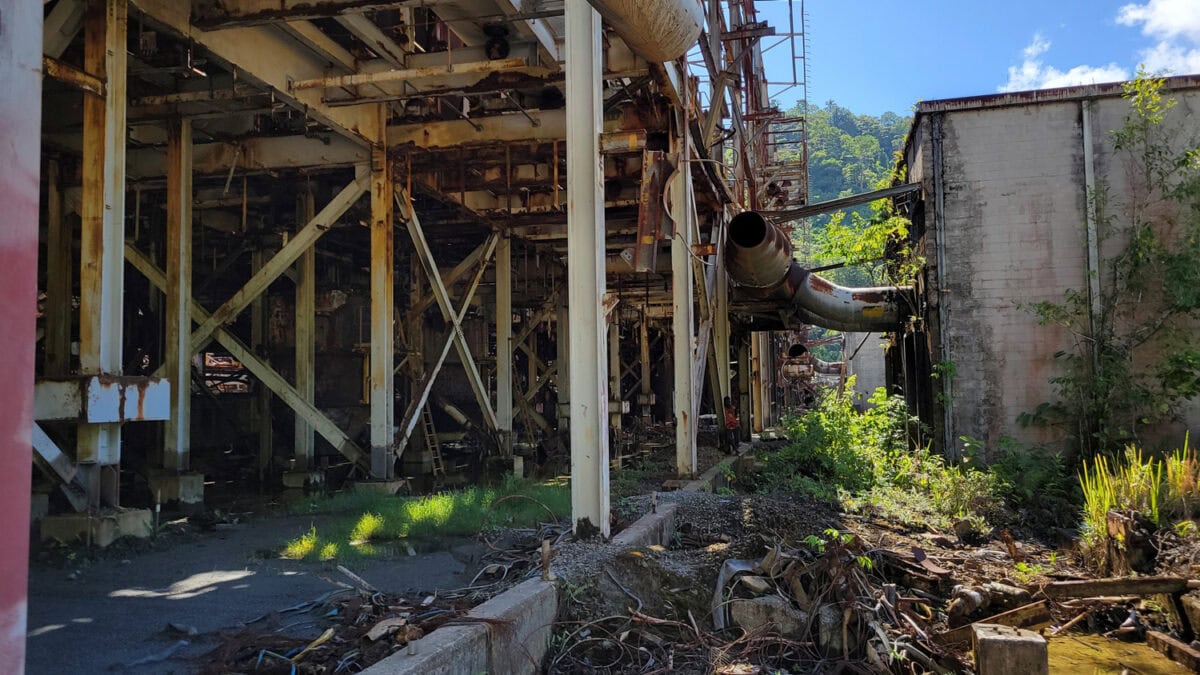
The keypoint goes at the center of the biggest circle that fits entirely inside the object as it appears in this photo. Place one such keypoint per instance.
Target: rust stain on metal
(820, 285)
(868, 295)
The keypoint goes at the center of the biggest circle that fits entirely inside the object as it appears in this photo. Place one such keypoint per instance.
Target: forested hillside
(850, 153)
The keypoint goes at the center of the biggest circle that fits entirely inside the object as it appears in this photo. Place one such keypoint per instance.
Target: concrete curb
(516, 647)
(715, 476)
(652, 528)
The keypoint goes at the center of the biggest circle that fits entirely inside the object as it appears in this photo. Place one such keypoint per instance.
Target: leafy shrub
(867, 459)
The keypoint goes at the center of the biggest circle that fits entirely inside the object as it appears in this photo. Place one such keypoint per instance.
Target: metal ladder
(432, 444)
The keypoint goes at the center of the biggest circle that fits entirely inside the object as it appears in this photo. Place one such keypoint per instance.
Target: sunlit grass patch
(372, 518)
(329, 551)
(366, 528)
(302, 546)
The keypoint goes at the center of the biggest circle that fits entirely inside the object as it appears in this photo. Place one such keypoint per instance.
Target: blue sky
(874, 56)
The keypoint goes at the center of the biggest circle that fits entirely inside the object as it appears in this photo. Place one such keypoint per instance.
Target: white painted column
(178, 294)
(721, 322)
(383, 415)
(562, 357)
(102, 211)
(585, 267)
(306, 339)
(504, 345)
(683, 325)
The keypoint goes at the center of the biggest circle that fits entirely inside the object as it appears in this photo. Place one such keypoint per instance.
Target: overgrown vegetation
(362, 521)
(865, 460)
(1166, 491)
(1135, 354)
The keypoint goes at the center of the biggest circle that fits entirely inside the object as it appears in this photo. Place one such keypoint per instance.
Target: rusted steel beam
(841, 203)
(422, 390)
(69, 74)
(413, 74)
(383, 308)
(440, 294)
(366, 31)
(250, 12)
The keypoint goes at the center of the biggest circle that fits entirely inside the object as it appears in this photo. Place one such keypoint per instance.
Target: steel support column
(585, 267)
(756, 382)
(682, 320)
(504, 343)
(306, 342)
(721, 319)
(20, 133)
(262, 402)
(744, 379)
(178, 355)
(102, 211)
(383, 306)
(60, 273)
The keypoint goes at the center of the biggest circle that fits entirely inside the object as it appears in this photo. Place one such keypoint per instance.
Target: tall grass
(1162, 490)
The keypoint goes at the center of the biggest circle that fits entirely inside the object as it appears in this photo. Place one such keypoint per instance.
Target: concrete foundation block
(306, 480)
(1000, 650)
(385, 487)
(449, 650)
(182, 490)
(99, 529)
(652, 528)
(515, 647)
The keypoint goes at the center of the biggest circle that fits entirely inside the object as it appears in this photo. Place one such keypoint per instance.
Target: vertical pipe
(682, 322)
(383, 416)
(949, 448)
(306, 338)
(504, 345)
(585, 267)
(178, 353)
(1093, 240)
(20, 135)
(102, 210)
(60, 277)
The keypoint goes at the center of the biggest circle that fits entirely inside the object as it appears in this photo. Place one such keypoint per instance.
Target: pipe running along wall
(760, 262)
(656, 30)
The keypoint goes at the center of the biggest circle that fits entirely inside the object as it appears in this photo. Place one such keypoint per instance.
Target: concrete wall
(1014, 213)
(867, 366)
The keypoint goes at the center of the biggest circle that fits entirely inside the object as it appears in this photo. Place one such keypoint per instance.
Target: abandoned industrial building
(484, 322)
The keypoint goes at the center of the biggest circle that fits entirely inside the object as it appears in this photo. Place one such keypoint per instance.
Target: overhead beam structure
(587, 340)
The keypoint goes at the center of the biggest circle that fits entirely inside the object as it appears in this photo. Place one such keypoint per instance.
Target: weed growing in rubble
(1163, 490)
(867, 461)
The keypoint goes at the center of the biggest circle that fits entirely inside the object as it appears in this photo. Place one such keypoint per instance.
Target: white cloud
(1164, 19)
(1176, 26)
(1033, 73)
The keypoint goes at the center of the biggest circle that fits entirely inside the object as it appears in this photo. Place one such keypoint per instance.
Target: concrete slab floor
(114, 611)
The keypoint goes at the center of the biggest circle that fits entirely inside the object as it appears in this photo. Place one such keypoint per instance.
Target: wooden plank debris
(1121, 586)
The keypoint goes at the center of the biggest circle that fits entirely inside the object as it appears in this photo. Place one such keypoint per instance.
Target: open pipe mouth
(797, 350)
(747, 229)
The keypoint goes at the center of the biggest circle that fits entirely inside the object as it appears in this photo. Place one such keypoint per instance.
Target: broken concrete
(771, 612)
(99, 529)
(1000, 650)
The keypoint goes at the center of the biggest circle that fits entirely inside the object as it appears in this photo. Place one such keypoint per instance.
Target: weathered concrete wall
(1014, 216)
(867, 366)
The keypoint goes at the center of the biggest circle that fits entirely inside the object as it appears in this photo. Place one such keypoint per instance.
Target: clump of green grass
(361, 521)
(302, 546)
(366, 528)
(1163, 490)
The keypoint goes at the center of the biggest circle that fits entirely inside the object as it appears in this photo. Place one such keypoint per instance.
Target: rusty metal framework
(314, 195)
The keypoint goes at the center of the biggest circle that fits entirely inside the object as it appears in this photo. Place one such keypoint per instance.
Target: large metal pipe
(656, 30)
(760, 262)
